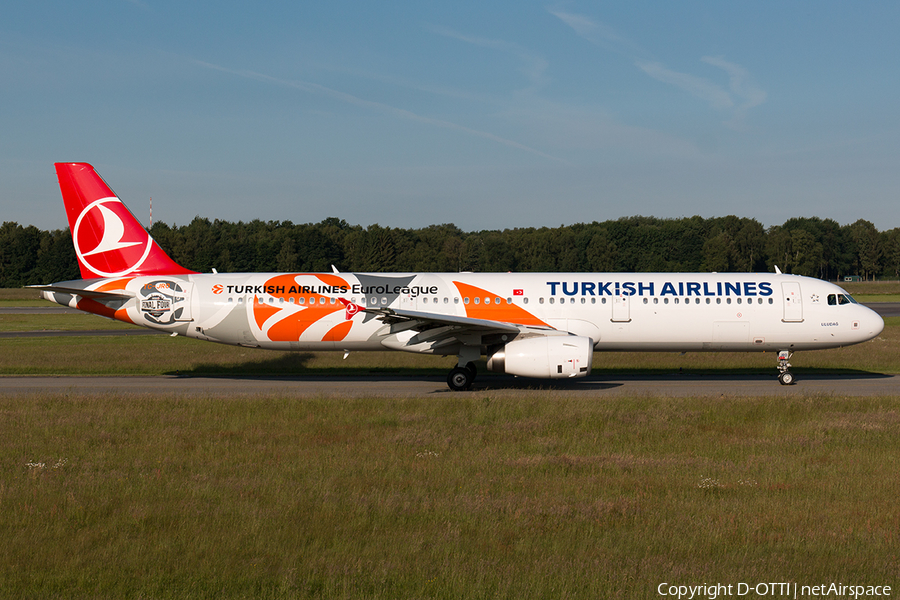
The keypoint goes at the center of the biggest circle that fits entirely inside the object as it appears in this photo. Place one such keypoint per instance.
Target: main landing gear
(461, 378)
(785, 377)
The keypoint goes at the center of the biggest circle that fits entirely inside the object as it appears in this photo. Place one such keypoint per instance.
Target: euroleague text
(412, 290)
(771, 590)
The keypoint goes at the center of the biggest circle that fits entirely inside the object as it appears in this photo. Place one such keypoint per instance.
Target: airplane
(540, 325)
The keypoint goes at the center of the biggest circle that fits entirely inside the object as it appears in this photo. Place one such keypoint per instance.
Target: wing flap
(426, 320)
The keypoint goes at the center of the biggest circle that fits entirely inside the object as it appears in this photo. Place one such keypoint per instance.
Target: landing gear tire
(470, 367)
(785, 376)
(460, 379)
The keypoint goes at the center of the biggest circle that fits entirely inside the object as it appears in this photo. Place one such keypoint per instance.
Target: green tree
(890, 243)
(868, 248)
(287, 257)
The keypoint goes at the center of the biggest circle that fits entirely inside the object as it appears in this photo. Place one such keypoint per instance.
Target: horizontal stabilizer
(81, 292)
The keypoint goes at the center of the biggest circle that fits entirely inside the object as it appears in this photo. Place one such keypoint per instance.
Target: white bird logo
(113, 232)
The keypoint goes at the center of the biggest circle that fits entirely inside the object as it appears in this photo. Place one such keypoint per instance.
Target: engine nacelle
(549, 357)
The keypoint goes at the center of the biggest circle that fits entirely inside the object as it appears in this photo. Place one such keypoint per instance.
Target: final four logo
(102, 242)
(162, 301)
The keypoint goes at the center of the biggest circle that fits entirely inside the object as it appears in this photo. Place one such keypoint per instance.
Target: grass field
(458, 497)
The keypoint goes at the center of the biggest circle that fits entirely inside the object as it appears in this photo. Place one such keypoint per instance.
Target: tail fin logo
(104, 244)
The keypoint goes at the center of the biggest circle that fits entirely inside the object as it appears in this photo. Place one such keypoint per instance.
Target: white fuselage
(617, 311)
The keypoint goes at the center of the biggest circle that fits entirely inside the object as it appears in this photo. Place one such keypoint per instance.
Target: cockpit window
(840, 299)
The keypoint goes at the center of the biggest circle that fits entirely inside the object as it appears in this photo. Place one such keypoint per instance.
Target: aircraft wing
(424, 320)
(441, 329)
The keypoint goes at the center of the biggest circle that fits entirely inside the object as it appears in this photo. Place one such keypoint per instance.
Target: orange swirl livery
(290, 313)
(525, 324)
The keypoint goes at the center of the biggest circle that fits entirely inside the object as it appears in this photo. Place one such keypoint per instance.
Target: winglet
(352, 309)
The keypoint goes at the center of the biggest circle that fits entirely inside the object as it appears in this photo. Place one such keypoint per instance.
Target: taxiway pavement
(864, 384)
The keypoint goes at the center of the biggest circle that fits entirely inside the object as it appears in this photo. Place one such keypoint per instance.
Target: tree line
(805, 246)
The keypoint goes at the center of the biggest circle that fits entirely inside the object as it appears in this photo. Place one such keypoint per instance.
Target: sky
(488, 115)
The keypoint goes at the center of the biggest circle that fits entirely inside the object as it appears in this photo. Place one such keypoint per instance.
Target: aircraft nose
(872, 323)
(879, 325)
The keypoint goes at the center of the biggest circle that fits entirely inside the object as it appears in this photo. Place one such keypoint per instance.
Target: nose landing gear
(785, 377)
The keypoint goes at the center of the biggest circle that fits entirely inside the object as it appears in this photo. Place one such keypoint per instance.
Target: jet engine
(549, 357)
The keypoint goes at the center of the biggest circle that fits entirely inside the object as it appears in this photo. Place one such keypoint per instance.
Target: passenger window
(707, 300)
(477, 300)
(718, 301)
(646, 301)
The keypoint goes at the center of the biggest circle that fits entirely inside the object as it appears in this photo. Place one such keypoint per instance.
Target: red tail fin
(109, 240)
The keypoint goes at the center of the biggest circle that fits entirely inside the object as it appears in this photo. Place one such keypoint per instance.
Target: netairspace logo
(772, 590)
